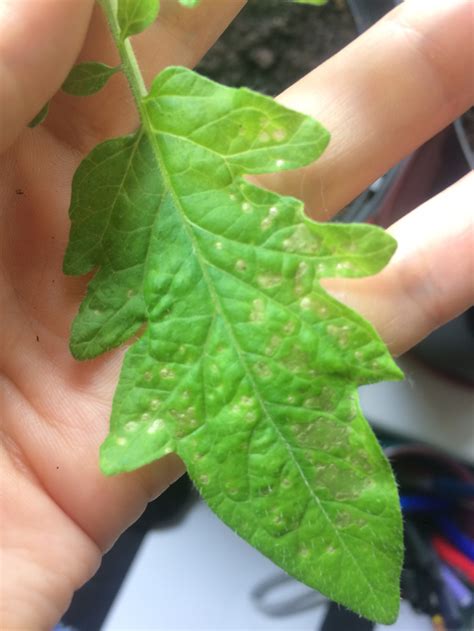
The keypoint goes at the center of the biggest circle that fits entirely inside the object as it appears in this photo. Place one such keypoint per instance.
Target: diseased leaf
(247, 368)
(87, 78)
(40, 116)
(135, 15)
(315, 2)
(115, 197)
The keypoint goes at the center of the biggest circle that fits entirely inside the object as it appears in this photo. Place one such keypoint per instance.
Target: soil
(272, 43)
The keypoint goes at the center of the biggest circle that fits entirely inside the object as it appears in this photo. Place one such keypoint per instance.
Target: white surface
(199, 576)
(426, 407)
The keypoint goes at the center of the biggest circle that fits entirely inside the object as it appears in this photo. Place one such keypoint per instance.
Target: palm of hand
(55, 410)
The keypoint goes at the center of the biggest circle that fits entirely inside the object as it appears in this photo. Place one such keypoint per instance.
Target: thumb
(39, 41)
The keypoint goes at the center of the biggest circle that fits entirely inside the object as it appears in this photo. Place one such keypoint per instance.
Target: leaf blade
(103, 207)
(248, 368)
(88, 78)
(134, 16)
(313, 2)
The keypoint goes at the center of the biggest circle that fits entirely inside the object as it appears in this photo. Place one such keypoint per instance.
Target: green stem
(127, 54)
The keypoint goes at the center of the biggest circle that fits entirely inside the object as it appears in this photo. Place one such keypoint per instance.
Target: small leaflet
(134, 17)
(40, 117)
(88, 78)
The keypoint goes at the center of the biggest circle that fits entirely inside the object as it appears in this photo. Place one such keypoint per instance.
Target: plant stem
(127, 54)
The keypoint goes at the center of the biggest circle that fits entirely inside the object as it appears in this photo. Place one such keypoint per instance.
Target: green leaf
(134, 16)
(88, 78)
(315, 2)
(40, 116)
(247, 369)
(105, 232)
(194, 3)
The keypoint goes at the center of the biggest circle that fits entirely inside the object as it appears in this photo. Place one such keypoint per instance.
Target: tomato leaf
(134, 16)
(40, 116)
(247, 368)
(87, 78)
(315, 2)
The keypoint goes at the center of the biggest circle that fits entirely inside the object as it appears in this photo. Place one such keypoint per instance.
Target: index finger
(39, 40)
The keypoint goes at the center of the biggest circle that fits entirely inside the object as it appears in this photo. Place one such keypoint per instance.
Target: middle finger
(381, 97)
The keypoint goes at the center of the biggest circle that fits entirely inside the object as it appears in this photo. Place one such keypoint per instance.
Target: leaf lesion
(293, 309)
(230, 273)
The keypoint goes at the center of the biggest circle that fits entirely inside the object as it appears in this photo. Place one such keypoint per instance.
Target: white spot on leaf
(156, 426)
(247, 401)
(268, 281)
(279, 135)
(258, 310)
(167, 373)
(266, 223)
(275, 342)
(302, 241)
(344, 266)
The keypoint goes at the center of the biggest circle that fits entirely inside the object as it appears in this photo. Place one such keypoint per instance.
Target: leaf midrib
(215, 298)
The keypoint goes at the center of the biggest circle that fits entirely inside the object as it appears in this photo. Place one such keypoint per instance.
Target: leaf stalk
(128, 58)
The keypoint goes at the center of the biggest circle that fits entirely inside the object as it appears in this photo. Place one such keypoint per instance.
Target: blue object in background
(419, 503)
(459, 540)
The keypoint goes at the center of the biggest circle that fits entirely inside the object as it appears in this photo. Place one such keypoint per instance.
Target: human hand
(55, 410)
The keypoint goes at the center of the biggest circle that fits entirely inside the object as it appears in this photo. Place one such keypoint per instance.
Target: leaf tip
(391, 608)
(40, 116)
(77, 352)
